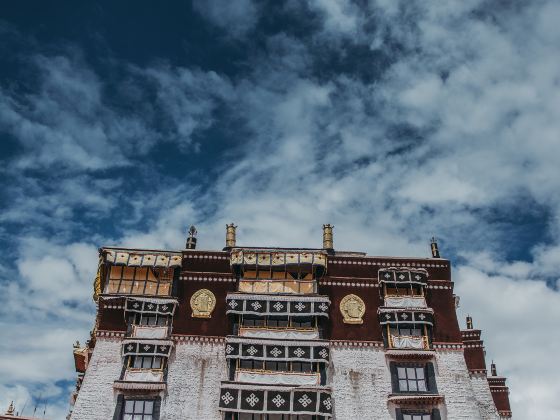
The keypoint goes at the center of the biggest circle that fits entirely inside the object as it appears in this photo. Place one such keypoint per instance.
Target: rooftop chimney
(435, 250)
(469, 323)
(328, 237)
(191, 240)
(230, 235)
(493, 370)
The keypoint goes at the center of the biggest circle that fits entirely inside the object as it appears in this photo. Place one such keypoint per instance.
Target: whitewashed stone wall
(96, 400)
(193, 382)
(484, 397)
(462, 396)
(360, 381)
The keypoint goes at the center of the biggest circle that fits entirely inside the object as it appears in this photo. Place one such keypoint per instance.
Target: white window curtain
(278, 378)
(143, 375)
(405, 302)
(279, 334)
(407, 342)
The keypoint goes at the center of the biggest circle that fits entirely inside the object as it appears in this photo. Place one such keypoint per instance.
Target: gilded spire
(328, 236)
(230, 235)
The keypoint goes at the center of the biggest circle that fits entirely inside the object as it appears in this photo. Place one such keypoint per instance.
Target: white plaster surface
(193, 382)
(96, 400)
(361, 381)
(463, 397)
(484, 397)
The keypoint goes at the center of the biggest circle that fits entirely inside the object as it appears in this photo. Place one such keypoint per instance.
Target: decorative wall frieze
(351, 343)
(197, 339)
(110, 334)
(478, 373)
(448, 346)
(214, 278)
(347, 283)
(435, 286)
(188, 255)
(385, 263)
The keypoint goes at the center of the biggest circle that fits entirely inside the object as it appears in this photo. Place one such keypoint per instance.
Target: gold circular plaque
(352, 308)
(203, 303)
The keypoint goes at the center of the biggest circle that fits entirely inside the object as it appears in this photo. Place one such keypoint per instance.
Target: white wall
(96, 399)
(193, 382)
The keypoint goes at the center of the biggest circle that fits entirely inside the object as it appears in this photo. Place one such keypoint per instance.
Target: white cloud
(460, 124)
(518, 318)
(236, 17)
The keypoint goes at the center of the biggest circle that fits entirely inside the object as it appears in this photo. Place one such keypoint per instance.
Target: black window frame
(132, 360)
(121, 407)
(429, 373)
(433, 413)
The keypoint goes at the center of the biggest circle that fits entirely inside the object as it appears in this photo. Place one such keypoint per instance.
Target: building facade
(275, 333)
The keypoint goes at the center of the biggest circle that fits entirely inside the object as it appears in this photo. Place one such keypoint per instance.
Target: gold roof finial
(434, 247)
(230, 235)
(328, 236)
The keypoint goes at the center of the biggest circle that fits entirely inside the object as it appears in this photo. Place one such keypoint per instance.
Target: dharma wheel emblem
(352, 308)
(203, 303)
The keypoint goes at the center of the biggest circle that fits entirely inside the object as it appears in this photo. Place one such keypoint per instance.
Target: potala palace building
(251, 333)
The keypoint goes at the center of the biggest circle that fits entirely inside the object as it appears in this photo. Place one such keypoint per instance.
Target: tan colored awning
(142, 259)
(277, 258)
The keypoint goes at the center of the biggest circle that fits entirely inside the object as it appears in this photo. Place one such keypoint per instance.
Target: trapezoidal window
(139, 280)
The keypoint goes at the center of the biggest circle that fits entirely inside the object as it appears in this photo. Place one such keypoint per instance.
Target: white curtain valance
(149, 331)
(405, 302)
(278, 378)
(143, 375)
(279, 334)
(407, 342)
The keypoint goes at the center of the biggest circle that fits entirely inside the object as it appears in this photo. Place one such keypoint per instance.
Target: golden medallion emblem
(352, 308)
(203, 303)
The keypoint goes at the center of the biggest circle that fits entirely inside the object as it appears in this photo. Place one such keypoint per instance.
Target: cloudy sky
(122, 123)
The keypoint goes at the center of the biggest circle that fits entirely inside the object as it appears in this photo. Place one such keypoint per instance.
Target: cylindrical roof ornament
(493, 370)
(191, 240)
(230, 235)
(11, 409)
(469, 323)
(328, 236)
(435, 250)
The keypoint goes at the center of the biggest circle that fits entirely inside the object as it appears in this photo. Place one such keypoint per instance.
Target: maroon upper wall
(346, 274)
(474, 350)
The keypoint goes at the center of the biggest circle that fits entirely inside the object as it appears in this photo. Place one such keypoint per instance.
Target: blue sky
(122, 124)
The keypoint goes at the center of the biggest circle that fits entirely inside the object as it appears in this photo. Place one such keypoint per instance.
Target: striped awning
(405, 316)
(277, 258)
(135, 258)
(403, 275)
(258, 398)
(266, 305)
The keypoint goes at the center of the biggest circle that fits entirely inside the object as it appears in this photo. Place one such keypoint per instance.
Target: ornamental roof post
(230, 236)
(328, 237)
(434, 247)
(191, 239)
(469, 323)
